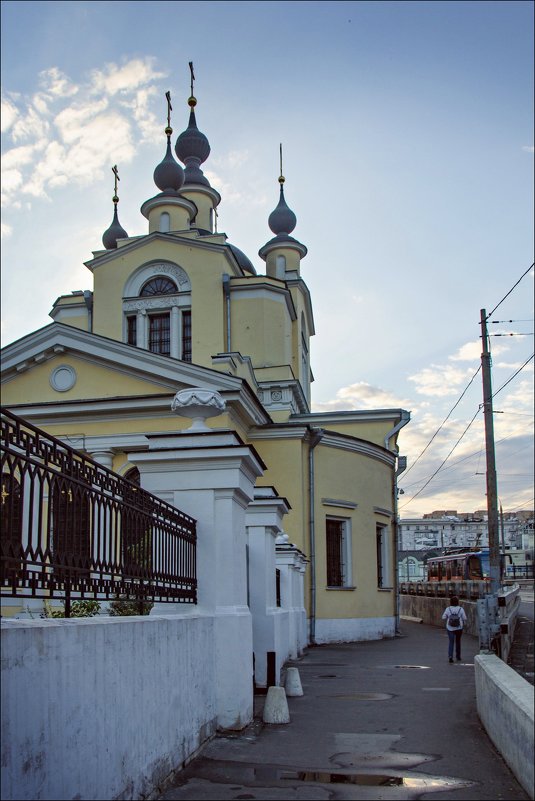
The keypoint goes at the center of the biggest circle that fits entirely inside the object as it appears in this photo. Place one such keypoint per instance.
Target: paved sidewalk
(389, 719)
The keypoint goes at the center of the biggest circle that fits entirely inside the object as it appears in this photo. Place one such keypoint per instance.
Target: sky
(407, 133)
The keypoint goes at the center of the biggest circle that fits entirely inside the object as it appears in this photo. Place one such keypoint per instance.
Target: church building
(177, 307)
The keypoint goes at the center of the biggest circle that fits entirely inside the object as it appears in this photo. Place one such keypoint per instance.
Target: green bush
(85, 608)
(129, 605)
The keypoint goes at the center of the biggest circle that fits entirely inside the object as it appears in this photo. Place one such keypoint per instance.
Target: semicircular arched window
(158, 286)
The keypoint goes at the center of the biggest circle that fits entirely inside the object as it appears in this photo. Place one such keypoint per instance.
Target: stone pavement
(388, 719)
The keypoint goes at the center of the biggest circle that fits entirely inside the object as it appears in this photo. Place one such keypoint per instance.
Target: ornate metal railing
(72, 529)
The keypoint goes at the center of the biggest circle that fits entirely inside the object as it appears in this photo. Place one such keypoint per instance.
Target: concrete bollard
(276, 706)
(292, 682)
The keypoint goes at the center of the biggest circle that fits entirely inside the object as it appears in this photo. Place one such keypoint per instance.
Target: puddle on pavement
(363, 696)
(418, 783)
(404, 667)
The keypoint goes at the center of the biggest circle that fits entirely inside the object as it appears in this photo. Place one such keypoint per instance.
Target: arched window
(158, 286)
(165, 222)
(157, 310)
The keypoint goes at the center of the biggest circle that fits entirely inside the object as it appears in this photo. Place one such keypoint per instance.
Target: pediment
(112, 368)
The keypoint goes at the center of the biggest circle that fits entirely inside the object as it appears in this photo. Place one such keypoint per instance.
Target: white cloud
(130, 76)
(468, 352)
(74, 131)
(440, 380)
(362, 396)
(9, 114)
(529, 148)
(6, 230)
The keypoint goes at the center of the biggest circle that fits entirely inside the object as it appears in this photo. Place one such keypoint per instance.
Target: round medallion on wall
(63, 378)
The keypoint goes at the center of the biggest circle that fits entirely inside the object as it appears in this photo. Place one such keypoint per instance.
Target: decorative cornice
(340, 504)
(385, 512)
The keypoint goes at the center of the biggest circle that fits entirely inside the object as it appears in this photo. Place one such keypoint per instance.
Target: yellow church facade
(179, 307)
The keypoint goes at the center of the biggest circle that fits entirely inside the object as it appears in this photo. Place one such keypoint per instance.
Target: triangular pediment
(62, 364)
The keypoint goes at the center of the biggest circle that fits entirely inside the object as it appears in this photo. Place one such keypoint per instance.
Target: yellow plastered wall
(357, 478)
(92, 381)
(262, 329)
(204, 268)
(179, 219)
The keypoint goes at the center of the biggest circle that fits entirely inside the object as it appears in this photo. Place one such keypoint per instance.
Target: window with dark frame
(335, 563)
(158, 286)
(379, 534)
(186, 336)
(160, 334)
(131, 322)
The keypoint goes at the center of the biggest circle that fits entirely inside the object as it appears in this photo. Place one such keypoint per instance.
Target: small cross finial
(115, 171)
(169, 108)
(281, 176)
(192, 76)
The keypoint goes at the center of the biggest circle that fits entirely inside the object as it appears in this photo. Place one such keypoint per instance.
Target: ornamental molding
(153, 269)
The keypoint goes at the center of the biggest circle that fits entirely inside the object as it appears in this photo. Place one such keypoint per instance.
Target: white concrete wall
(505, 707)
(103, 707)
(345, 630)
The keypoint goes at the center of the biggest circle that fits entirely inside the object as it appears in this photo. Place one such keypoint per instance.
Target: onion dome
(282, 220)
(168, 175)
(192, 148)
(115, 231)
(243, 260)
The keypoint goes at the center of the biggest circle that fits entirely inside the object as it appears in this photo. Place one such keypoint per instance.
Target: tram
(460, 566)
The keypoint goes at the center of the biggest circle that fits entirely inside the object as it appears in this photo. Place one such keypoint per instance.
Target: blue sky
(407, 130)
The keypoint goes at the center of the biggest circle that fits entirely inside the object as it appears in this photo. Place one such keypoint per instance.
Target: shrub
(85, 608)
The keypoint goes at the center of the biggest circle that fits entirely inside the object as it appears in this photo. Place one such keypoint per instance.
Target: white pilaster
(210, 476)
(270, 622)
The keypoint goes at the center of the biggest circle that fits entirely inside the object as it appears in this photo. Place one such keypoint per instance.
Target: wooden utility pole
(492, 489)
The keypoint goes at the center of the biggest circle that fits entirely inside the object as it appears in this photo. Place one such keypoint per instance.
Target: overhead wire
(513, 287)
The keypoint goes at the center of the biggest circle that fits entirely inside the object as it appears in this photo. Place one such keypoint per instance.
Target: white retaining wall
(505, 707)
(358, 629)
(103, 707)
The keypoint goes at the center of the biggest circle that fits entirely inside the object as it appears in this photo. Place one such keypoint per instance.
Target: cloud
(6, 230)
(113, 78)
(362, 396)
(529, 148)
(440, 380)
(9, 114)
(468, 352)
(71, 132)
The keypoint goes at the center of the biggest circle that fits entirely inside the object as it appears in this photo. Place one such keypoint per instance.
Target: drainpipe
(226, 290)
(315, 439)
(88, 298)
(402, 465)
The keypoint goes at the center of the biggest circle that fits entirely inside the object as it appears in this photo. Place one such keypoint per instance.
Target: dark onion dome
(114, 232)
(243, 260)
(168, 175)
(282, 220)
(192, 148)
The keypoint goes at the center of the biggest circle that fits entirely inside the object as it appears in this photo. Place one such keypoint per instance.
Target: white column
(141, 326)
(103, 457)
(175, 333)
(270, 623)
(210, 476)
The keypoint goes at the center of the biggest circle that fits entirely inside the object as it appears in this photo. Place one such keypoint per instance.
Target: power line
(444, 421)
(513, 287)
(513, 376)
(443, 463)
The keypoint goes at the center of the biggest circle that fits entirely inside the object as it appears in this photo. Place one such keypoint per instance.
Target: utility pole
(492, 489)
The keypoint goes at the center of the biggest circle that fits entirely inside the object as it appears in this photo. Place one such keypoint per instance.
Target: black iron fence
(72, 529)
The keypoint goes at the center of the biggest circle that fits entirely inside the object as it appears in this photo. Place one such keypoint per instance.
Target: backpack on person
(454, 619)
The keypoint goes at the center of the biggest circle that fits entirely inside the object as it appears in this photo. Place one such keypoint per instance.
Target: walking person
(455, 618)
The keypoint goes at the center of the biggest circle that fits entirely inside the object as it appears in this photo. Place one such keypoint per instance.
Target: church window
(165, 223)
(158, 286)
(160, 334)
(383, 561)
(338, 544)
(131, 322)
(186, 336)
(157, 310)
